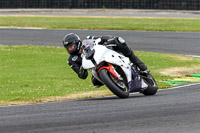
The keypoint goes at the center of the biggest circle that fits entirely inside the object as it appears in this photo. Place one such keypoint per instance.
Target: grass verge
(106, 23)
(31, 74)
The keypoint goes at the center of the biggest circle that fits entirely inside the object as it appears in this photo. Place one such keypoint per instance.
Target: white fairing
(101, 54)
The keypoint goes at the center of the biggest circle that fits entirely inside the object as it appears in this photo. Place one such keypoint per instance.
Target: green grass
(109, 23)
(157, 62)
(35, 72)
(29, 72)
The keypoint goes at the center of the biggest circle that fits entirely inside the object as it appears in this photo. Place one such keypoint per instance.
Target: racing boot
(96, 83)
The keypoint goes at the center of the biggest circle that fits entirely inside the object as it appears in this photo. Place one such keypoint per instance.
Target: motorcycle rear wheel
(152, 85)
(112, 85)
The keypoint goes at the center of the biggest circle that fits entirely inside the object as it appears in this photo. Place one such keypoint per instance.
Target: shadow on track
(132, 95)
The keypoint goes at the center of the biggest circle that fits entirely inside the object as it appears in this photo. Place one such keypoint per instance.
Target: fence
(111, 4)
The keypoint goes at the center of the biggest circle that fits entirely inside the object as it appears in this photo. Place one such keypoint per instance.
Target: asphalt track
(172, 110)
(104, 12)
(166, 42)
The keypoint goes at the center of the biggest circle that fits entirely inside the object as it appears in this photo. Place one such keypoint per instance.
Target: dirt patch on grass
(180, 71)
(91, 94)
(181, 57)
(83, 95)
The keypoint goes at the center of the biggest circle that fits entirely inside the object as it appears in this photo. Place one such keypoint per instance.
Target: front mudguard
(110, 69)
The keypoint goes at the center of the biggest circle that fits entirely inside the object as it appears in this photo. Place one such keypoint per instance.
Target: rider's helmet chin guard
(72, 43)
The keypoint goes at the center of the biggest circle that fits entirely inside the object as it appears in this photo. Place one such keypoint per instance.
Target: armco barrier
(110, 4)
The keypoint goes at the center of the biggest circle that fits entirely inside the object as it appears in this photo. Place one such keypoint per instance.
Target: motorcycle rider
(73, 45)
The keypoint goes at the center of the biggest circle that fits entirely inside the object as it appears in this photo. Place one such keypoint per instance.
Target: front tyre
(112, 84)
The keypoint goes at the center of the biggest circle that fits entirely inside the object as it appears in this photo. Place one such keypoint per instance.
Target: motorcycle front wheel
(116, 86)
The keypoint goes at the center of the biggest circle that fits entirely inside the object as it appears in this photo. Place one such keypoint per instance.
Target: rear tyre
(112, 84)
(152, 85)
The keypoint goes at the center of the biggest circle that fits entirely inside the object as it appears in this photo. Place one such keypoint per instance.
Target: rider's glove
(89, 37)
(82, 73)
(98, 41)
(116, 40)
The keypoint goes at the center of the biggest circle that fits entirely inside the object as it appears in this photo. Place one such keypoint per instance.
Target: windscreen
(88, 43)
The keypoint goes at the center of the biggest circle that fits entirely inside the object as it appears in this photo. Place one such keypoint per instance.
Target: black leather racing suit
(75, 61)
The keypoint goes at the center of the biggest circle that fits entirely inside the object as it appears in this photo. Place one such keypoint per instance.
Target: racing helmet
(72, 43)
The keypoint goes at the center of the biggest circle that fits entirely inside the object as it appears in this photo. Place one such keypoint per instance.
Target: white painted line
(197, 56)
(179, 87)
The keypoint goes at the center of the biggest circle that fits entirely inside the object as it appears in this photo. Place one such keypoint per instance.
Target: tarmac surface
(104, 12)
(171, 110)
(165, 42)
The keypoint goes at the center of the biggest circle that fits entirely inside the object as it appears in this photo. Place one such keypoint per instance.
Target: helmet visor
(70, 48)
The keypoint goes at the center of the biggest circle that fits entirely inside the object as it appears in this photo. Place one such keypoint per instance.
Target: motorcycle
(115, 70)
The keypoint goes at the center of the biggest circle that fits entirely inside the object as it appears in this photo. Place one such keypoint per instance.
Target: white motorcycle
(115, 70)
